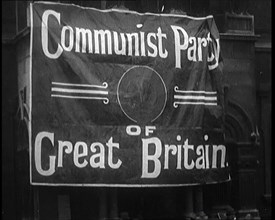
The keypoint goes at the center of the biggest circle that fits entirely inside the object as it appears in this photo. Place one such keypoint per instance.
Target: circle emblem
(142, 94)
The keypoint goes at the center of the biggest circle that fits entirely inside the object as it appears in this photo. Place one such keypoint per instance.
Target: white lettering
(44, 34)
(168, 148)
(123, 44)
(84, 33)
(71, 38)
(153, 158)
(130, 44)
(201, 42)
(149, 129)
(78, 155)
(37, 153)
(69, 149)
(200, 162)
(111, 145)
(100, 156)
(160, 35)
(102, 41)
(151, 45)
(133, 130)
(186, 148)
(178, 46)
(217, 148)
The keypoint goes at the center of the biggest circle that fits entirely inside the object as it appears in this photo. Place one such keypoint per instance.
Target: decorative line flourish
(176, 104)
(176, 89)
(105, 100)
(104, 85)
(83, 91)
(190, 97)
(80, 91)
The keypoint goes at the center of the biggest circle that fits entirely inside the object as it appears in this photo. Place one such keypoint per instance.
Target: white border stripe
(195, 97)
(127, 185)
(195, 103)
(83, 91)
(128, 11)
(30, 112)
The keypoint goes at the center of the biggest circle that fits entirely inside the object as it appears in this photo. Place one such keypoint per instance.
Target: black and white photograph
(136, 110)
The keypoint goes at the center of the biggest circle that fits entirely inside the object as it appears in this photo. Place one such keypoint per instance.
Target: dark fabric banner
(120, 98)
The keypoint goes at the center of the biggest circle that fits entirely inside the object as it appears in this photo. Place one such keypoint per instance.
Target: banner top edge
(126, 11)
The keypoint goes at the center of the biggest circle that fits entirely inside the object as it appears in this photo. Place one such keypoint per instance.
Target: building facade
(245, 30)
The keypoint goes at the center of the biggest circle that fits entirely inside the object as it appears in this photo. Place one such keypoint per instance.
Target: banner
(120, 98)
